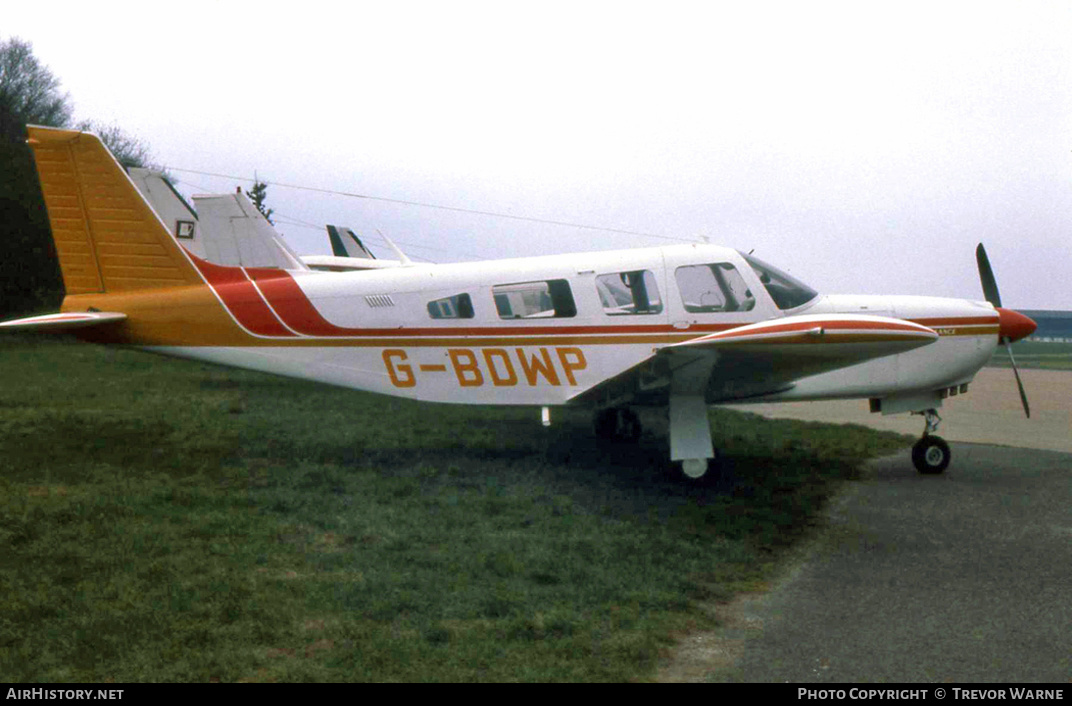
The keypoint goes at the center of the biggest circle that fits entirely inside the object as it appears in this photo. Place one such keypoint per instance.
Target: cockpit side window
(624, 293)
(786, 291)
(460, 306)
(717, 287)
(534, 300)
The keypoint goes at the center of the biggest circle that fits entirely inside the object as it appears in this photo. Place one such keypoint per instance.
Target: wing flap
(64, 321)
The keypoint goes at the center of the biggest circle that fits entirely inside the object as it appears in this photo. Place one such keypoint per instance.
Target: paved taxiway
(962, 577)
(989, 413)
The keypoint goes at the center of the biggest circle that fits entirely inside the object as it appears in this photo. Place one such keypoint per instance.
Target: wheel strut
(932, 420)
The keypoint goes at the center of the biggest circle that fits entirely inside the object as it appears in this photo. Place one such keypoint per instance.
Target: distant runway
(989, 413)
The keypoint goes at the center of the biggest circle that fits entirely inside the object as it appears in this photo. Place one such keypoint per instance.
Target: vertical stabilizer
(345, 243)
(107, 237)
(234, 233)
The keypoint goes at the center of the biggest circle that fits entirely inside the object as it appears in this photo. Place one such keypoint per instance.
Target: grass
(162, 520)
(1036, 354)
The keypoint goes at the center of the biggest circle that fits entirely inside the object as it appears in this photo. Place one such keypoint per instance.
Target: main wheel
(931, 455)
(617, 424)
(695, 469)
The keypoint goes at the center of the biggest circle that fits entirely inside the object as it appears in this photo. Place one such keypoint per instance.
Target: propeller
(1012, 325)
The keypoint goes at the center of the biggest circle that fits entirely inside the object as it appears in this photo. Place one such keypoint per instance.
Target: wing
(345, 264)
(763, 358)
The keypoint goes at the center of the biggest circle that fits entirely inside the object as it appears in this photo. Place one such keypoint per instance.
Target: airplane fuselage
(532, 331)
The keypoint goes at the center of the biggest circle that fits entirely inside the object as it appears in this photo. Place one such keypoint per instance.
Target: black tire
(617, 424)
(606, 423)
(629, 425)
(931, 455)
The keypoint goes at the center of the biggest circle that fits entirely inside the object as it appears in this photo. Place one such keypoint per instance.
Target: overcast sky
(866, 147)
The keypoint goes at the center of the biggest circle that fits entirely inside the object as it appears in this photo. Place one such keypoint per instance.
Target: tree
(30, 278)
(128, 150)
(257, 195)
(29, 93)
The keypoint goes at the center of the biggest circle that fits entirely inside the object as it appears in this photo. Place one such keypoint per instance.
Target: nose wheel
(931, 455)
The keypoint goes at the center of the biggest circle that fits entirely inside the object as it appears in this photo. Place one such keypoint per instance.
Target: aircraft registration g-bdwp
(684, 326)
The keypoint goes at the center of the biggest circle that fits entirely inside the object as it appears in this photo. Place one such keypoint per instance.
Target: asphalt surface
(962, 577)
(989, 413)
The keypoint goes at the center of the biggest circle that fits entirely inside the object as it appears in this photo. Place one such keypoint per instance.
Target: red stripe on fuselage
(293, 306)
(241, 298)
(281, 308)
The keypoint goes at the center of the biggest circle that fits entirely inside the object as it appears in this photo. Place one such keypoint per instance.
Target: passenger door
(712, 290)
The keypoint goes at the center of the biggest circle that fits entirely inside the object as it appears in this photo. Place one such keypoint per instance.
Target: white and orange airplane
(683, 327)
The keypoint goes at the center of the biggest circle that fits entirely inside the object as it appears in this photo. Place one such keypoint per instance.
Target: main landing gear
(690, 433)
(617, 424)
(931, 455)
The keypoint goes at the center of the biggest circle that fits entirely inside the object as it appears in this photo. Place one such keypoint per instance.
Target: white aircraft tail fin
(226, 229)
(234, 232)
(345, 243)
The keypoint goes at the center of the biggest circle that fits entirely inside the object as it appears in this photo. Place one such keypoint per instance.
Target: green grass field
(162, 520)
(1036, 354)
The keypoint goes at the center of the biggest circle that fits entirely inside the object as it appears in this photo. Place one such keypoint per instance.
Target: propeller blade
(986, 277)
(1023, 395)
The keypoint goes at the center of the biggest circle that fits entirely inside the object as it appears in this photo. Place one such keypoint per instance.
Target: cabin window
(625, 293)
(460, 306)
(549, 299)
(717, 287)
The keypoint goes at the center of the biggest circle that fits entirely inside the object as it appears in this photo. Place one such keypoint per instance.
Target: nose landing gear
(931, 455)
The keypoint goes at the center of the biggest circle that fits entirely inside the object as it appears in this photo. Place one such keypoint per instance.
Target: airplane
(680, 327)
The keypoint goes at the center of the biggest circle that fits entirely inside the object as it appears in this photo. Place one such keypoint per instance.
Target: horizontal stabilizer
(63, 321)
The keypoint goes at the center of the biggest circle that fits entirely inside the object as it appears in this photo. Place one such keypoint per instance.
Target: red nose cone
(1014, 325)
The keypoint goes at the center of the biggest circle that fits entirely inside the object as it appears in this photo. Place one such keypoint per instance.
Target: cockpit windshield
(786, 291)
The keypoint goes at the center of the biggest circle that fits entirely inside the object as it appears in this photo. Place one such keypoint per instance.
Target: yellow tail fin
(107, 237)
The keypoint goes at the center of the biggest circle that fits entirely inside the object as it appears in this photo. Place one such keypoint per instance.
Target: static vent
(377, 301)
